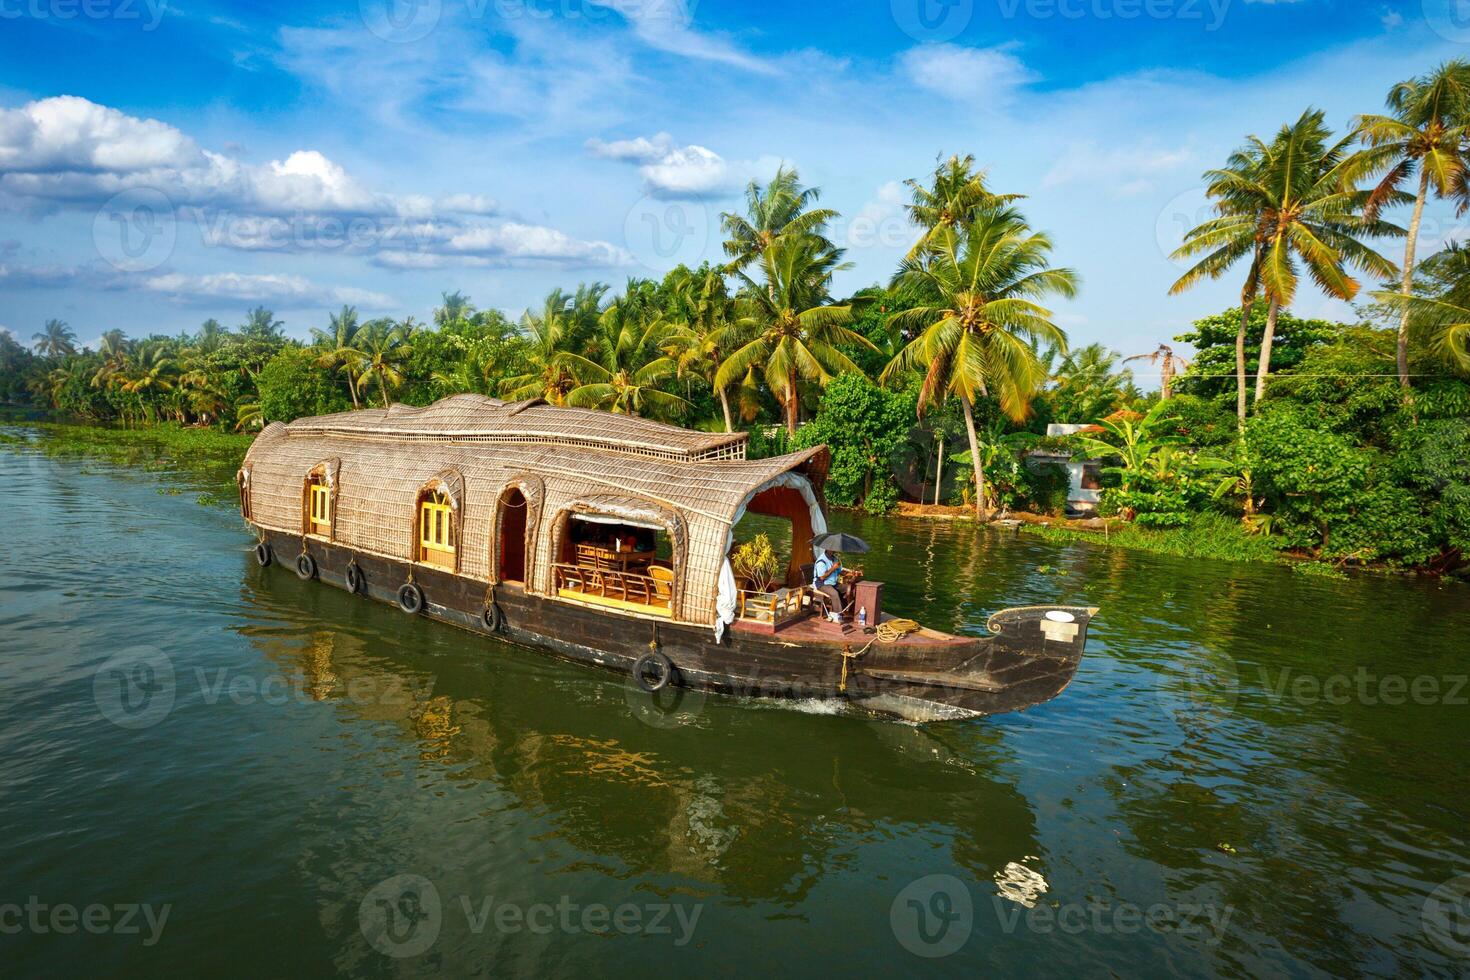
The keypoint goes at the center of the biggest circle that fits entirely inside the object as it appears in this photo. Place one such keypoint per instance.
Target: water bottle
(863, 617)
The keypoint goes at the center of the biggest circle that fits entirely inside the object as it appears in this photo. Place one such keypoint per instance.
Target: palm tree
(955, 197)
(1427, 131)
(625, 377)
(53, 384)
(211, 335)
(978, 336)
(154, 374)
(779, 208)
(1439, 313)
(1168, 362)
(1089, 385)
(113, 349)
(454, 307)
(383, 352)
(1298, 198)
(1239, 231)
(791, 331)
(704, 314)
(262, 324)
(548, 376)
(56, 339)
(339, 350)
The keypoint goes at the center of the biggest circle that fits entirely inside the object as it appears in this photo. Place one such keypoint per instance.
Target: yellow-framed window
(321, 508)
(436, 538)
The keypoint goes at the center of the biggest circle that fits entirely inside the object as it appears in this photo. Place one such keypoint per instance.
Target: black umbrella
(840, 541)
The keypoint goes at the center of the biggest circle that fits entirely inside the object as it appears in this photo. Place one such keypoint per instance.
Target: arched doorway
(512, 536)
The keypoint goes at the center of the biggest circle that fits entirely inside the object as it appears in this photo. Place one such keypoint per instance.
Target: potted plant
(755, 562)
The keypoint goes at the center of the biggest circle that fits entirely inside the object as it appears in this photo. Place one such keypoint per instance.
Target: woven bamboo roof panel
(480, 418)
(383, 465)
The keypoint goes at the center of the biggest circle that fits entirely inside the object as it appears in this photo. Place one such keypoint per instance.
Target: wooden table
(607, 558)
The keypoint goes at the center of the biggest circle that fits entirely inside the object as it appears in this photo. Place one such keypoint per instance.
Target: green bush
(864, 426)
(1329, 496)
(292, 385)
(1046, 487)
(1199, 422)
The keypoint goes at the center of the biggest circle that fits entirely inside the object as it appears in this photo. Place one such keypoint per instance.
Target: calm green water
(305, 783)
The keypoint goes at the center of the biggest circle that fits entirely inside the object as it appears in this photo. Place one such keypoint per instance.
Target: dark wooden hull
(923, 677)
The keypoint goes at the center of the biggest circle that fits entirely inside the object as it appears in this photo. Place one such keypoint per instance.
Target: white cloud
(284, 290)
(990, 74)
(305, 202)
(72, 134)
(672, 171)
(640, 149)
(688, 170)
(468, 204)
(667, 25)
(435, 246)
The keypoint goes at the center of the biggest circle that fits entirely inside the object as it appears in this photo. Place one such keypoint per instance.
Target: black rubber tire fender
(262, 554)
(492, 618)
(354, 578)
(305, 567)
(411, 598)
(653, 663)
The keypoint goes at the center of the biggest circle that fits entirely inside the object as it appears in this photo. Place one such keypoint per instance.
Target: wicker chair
(663, 584)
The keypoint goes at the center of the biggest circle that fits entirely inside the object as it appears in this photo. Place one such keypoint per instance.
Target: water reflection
(753, 800)
(319, 744)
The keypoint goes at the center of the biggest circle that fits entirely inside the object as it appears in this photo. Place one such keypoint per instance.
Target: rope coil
(890, 631)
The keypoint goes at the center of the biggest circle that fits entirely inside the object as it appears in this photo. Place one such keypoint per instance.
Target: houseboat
(606, 539)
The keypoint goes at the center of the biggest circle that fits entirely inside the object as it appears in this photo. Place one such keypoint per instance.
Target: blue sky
(163, 164)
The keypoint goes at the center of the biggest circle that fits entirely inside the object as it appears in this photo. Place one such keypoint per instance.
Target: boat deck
(815, 629)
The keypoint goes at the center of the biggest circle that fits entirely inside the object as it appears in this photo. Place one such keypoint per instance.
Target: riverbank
(209, 457)
(1213, 536)
(216, 455)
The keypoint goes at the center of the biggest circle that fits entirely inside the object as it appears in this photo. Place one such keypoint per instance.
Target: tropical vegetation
(1352, 446)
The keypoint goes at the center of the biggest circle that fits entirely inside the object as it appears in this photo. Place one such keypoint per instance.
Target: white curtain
(794, 481)
(727, 600)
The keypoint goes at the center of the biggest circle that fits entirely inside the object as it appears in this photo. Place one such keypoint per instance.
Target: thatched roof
(484, 419)
(560, 458)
